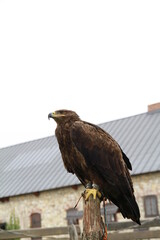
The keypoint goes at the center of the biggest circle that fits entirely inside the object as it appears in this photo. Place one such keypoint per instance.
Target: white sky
(99, 58)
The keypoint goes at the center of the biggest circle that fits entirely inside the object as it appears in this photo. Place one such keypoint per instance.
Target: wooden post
(92, 221)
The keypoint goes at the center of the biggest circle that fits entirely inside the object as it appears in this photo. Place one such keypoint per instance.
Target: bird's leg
(92, 189)
(88, 185)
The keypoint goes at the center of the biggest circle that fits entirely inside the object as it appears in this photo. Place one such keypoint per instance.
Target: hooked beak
(51, 115)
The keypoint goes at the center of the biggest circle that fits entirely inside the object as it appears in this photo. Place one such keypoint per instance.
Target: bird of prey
(97, 160)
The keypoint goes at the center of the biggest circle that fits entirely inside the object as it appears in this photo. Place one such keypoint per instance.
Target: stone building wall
(147, 184)
(53, 204)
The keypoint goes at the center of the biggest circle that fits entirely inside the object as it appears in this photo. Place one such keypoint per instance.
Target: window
(73, 216)
(3, 225)
(150, 206)
(110, 212)
(36, 222)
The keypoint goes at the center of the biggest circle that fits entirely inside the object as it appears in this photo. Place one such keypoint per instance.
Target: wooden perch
(92, 221)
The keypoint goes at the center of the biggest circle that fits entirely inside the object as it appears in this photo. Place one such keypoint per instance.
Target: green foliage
(13, 223)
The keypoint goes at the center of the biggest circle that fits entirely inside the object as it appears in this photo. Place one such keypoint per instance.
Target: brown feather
(94, 156)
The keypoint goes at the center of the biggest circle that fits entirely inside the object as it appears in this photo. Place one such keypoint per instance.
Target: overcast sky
(99, 58)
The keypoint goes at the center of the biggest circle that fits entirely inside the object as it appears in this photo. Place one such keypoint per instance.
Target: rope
(82, 195)
(105, 225)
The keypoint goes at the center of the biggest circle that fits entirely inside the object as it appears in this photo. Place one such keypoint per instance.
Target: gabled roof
(37, 165)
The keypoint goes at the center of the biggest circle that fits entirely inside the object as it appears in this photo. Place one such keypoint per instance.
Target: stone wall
(147, 184)
(53, 204)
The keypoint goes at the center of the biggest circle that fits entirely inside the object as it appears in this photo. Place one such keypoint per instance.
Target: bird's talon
(93, 192)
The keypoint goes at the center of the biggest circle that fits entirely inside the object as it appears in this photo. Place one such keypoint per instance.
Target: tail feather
(130, 209)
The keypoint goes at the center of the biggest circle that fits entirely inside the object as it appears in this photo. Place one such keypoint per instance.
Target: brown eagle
(97, 160)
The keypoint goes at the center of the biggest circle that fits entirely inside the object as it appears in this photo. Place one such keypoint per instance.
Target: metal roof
(37, 165)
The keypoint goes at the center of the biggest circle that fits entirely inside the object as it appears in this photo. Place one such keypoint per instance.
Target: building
(34, 183)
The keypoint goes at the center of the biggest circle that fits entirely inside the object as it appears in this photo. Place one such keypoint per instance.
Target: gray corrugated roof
(37, 165)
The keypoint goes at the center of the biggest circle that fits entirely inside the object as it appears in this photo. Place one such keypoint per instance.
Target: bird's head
(61, 116)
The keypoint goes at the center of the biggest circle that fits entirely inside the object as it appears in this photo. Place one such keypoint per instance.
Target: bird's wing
(125, 158)
(101, 151)
(103, 154)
